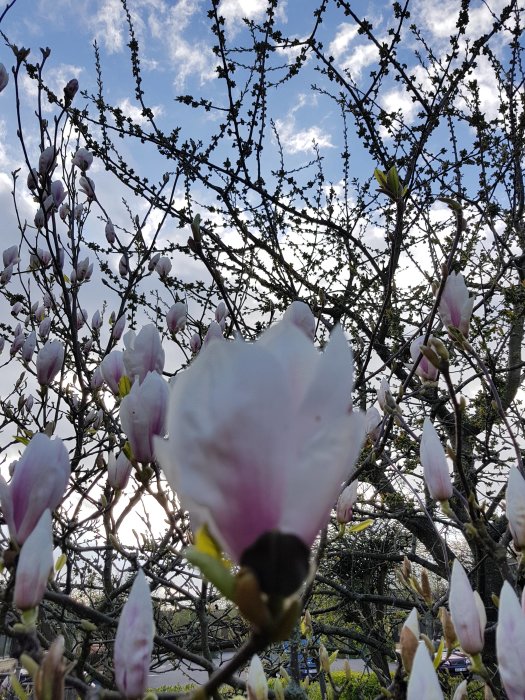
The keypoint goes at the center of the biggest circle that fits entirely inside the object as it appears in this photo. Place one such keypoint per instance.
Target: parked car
(456, 664)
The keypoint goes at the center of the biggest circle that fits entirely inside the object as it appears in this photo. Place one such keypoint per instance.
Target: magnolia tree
(190, 460)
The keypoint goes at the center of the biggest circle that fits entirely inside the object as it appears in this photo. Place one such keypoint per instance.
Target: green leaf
(439, 653)
(213, 569)
(361, 526)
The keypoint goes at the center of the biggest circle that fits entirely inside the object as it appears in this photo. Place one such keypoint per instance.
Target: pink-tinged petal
(256, 683)
(468, 621)
(227, 451)
(515, 500)
(7, 506)
(346, 502)
(423, 683)
(143, 415)
(39, 482)
(435, 466)
(143, 352)
(301, 316)
(112, 369)
(34, 565)
(312, 487)
(134, 640)
(455, 307)
(510, 643)
(425, 368)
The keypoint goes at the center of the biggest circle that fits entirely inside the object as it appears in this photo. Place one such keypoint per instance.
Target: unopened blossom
(4, 77)
(34, 564)
(83, 159)
(96, 379)
(409, 640)
(123, 265)
(467, 611)
(16, 308)
(346, 502)
(118, 327)
(64, 212)
(96, 321)
(28, 348)
(221, 313)
(256, 683)
(49, 361)
(81, 318)
(110, 232)
(17, 344)
(29, 403)
(260, 440)
(39, 312)
(301, 316)
(44, 327)
(386, 401)
(52, 671)
(84, 270)
(152, 264)
(78, 212)
(163, 267)
(461, 692)
(40, 218)
(143, 352)
(373, 423)
(10, 256)
(6, 274)
(510, 643)
(44, 256)
(112, 370)
(39, 482)
(47, 161)
(70, 90)
(214, 332)
(134, 641)
(119, 470)
(143, 415)
(195, 343)
(515, 508)
(87, 186)
(32, 179)
(58, 192)
(423, 683)
(435, 466)
(455, 306)
(176, 317)
(425, 369)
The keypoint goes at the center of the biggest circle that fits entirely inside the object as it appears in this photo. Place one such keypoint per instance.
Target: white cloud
(361, 56)
(234, 11)
(296, 140)
(441, 18)
(135, 111)
(345, 34)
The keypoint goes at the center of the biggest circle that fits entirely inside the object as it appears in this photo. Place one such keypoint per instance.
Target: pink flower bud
(78, 212)
(44, 327)
(435, 466)
(110, 233)
(58, 192)
(259, 448)
(4, 77)
(256, 683)
(83, 159)
(386, 401)
(29, 403)
(195, 343)
(301, 316)
(10, 256)
(510, 642)
(32, 180)
(455, 306)
(214, 333)
(39, 482)
(112, 369)
(515, 500)
(153, 262)
(425, 368)
(163, 267)
(64, 212)
(44, 256)
(96, 321)
(118, 328)
(40, 218)
(87, 186)
(221, 312)
(123, 265)
(49, 361)
(143, 415)
(28, 348)
(16, 308)
(81, 318)
(119, 470)
(34, 564)
(70, 90)
(143, 353)
(96, 379)
(467, 611)
(345, 503)
(47, 161)
(373, 423)
(423, 682)
(6, 274)
(176, 317)
(134, 640)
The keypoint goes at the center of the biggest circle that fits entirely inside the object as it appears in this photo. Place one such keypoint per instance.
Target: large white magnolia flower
(261, 437)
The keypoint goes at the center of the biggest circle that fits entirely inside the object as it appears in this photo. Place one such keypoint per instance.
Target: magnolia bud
(46, 162)
(40, 218)
(345, 503)
(70, 91)
(83, 159)
(6, 274)
(256, 683)
(123, 266)
(409, 640)
(118, 328)
(110, 232)
(78, 211)
(87, 186)
(195, 343)
(49, 361)
(28, 348)
(4, 77)
(58, 193)
(44, 327)
(34, 565)
(176, 317)
(163, 267)
(153, 262)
